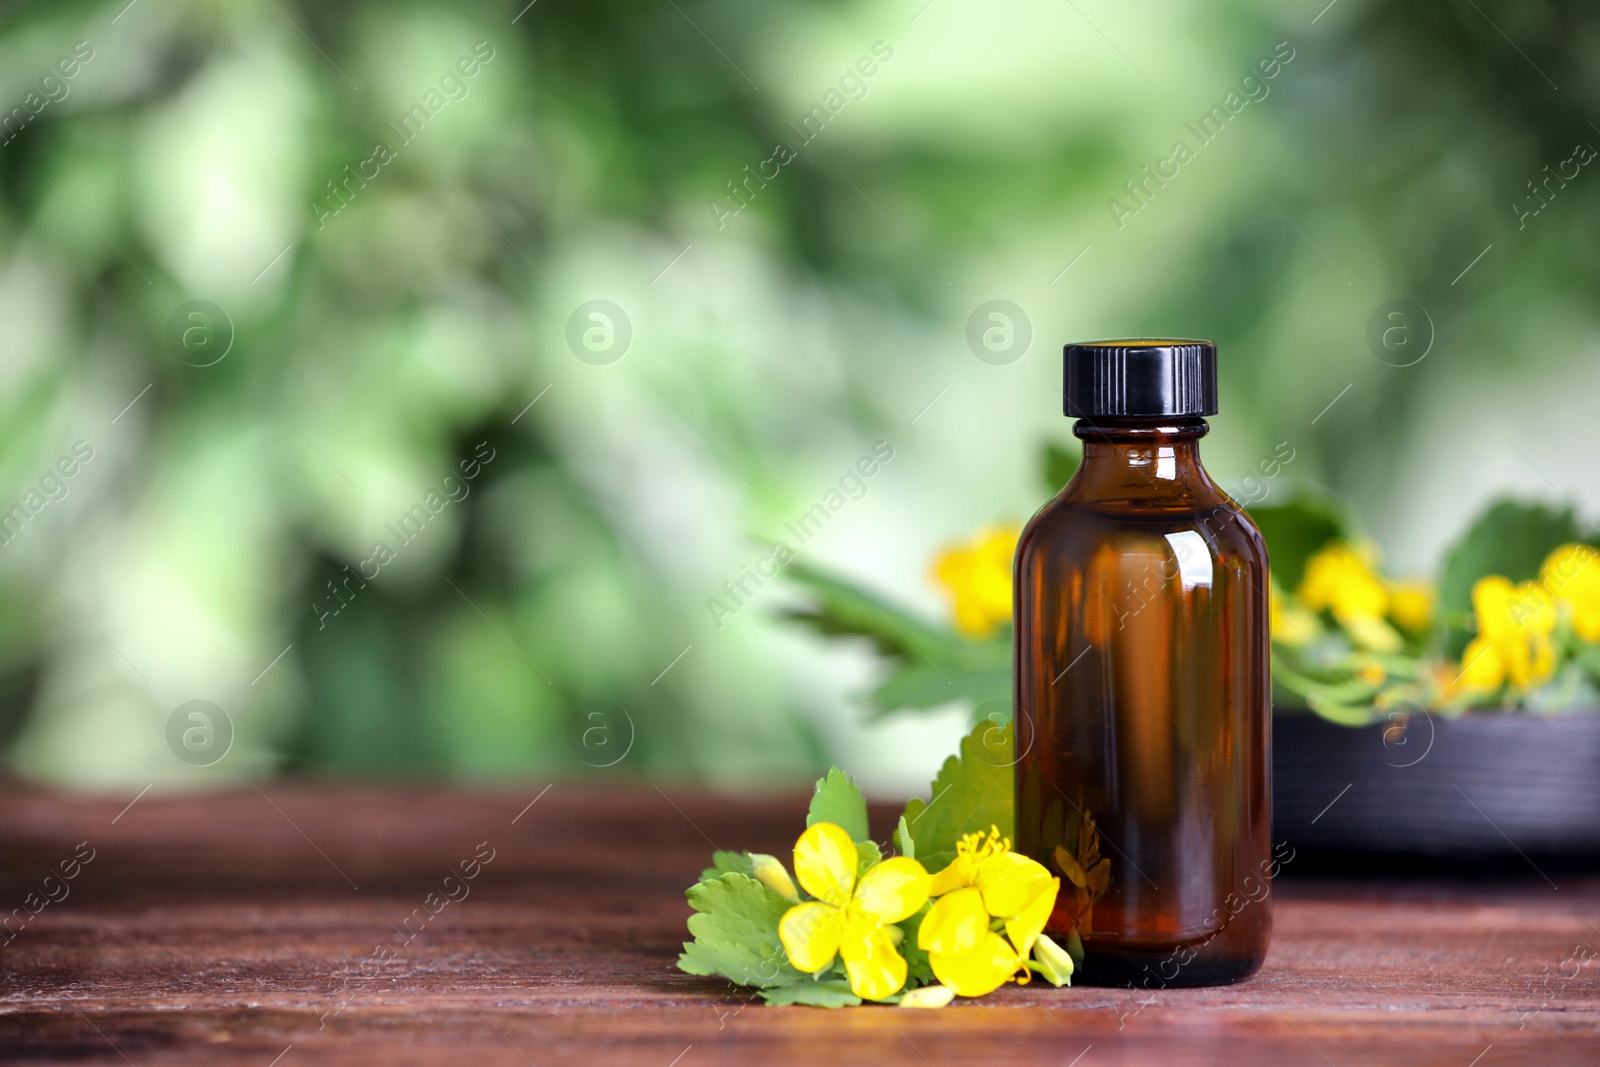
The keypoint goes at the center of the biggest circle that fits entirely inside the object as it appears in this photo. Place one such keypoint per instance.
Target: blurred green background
(397, 258)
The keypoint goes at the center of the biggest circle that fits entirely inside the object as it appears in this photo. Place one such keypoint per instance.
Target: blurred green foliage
(776, 331)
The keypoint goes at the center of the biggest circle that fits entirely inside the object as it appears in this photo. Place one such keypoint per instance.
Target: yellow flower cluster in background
(1521, 632)
(977, 578)
(1571, 575)
(1342, 579)
(985, 889)
(1515, 645)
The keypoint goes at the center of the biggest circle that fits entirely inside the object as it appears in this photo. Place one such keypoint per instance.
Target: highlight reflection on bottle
(1142, 689)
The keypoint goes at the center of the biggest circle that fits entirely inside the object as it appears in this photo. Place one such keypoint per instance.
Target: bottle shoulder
(1070, 525)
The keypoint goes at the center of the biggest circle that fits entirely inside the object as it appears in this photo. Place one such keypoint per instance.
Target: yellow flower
(1513, 643)
(986, 880)
(1290, 624)
(1411, 605)
(1572, 575)
(977, 577)
(851, 919)
(1339, 579)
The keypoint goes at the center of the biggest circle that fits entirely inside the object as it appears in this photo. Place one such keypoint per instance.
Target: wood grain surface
(293, 924)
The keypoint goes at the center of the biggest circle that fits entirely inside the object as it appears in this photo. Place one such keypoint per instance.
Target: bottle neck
(1143, 459)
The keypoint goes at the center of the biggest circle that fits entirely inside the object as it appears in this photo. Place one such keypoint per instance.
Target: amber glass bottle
(1142, 692)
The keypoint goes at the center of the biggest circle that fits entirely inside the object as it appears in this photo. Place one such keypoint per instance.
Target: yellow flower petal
(1530, 663)
(1411, 605)
(1025, 927)
(893, 890)
(1491, 603)
(981, 969)
(875, 966)
(810, 934)
(1532, 609)
(1572, 571)
(955, 923)
(929, 996)
(825, 862)
(1572, 575)
(949, 880)
(1371, 632)
(1009, 883)
(1482, 668)
(770, 873)
(1586, 621)
(1339, 578)
(977, 578)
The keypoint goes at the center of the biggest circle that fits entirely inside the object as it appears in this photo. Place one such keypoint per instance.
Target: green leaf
(830, 993)
(1571, 689)
(919, 971)
(931, 666)
(868, 856)
(1060, 463)
(1343, 714)
(1334, 697)
(920, 684)
(903, 841)
(841, 608)
(839, 801)
(1587, 656)
(974, 791)
(725, 862)
(954, 669)
(735, 928)
(1293, 533)
(1074, 947)
(1509, 538)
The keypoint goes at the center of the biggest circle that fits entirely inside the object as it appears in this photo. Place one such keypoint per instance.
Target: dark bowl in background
(1484, 786)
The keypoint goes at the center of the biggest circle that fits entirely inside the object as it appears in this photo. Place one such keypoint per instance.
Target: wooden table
(292, 924)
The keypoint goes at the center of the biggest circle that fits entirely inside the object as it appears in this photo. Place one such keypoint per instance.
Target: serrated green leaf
(727, 862)
(974, 791)
(838, 800)
(745, 965)
(831, 993)
(735, 928)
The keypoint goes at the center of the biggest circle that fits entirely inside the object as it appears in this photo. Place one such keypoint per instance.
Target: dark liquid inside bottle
(1143, 712)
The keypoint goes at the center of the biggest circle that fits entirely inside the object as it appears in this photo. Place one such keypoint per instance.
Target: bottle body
(1143, 712)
